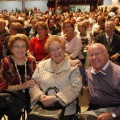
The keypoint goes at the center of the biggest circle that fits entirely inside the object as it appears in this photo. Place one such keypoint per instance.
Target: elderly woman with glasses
(57, 72)
(16, 71)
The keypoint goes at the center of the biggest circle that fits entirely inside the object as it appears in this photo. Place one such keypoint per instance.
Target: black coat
(114, 46)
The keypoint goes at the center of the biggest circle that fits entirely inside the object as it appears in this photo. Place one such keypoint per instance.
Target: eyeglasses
(53, 50)
(97, 54)
(67, 26)
(19, 47)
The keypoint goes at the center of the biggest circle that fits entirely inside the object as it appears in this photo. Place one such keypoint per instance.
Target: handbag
(84, 117)
(55, 112)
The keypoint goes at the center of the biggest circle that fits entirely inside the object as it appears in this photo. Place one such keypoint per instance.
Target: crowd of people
(64, 50)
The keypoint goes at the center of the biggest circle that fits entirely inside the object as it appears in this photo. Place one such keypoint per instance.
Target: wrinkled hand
(114, 57)
(48, 100)
(29, 84)
(42, 97)
(76, 62)
(105, 116)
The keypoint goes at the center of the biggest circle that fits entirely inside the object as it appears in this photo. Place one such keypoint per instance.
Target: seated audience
(37, 43)
(57, 72)
(15, 28)
(111, 41)
(117, 24)
(101, 22)
(51, 26)
(30, 30)
(103, 84)
(85, 37)
(16, 71)
(73, 44)
(3, 34)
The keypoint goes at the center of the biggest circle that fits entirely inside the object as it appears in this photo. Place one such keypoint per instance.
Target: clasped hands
(46, 100)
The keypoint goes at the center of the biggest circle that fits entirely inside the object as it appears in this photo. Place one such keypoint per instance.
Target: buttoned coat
(66, 78)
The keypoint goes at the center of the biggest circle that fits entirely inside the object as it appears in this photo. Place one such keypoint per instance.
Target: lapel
(104, 39)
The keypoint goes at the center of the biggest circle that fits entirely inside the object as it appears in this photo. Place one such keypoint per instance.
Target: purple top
(104, 87)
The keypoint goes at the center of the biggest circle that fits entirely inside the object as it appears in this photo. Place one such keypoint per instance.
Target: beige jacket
(66, 78)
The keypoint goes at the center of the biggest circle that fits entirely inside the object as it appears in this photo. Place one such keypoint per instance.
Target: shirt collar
(108, 36)
(102, 70)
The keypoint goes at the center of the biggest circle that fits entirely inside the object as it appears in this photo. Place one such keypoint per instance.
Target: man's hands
(105, 116)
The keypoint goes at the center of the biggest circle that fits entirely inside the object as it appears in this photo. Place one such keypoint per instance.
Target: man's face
(51, 23)
(97, 57)
(110, 28)
(99, 21)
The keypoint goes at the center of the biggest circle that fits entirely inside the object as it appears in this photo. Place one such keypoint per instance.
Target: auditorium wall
(9, 5)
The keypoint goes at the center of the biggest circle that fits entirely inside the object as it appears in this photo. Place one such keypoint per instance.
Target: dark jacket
(114, 46)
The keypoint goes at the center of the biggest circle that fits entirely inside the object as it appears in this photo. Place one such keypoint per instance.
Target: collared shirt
(102, 70)
(104, 89)
(109, 38)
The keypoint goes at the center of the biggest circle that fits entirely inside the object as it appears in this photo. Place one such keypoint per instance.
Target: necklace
(20, 80)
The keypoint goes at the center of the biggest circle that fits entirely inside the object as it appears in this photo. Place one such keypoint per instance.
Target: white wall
(115, 2)
(42, 5)
(9, 5)
(107, 2)
(111, 2)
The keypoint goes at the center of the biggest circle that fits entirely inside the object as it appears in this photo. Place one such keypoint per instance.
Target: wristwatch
(113, 115)
(57, 98)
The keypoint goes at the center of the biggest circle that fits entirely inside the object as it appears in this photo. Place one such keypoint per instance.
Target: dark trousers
(10, 115)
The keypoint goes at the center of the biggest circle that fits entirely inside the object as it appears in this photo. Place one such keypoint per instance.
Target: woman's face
(81, 29)
(56, 52)
(41, 31)
(12, 31)
(117, 21)
(68, 29)
(19, 49)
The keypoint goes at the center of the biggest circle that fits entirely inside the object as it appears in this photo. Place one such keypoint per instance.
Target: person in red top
(37, 43)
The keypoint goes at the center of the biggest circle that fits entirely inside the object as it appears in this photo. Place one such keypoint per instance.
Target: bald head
(110, 28)
(97, 45)
(98, 56)
(112, 23)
